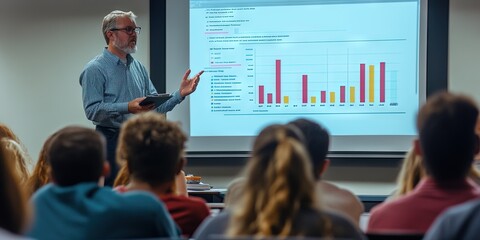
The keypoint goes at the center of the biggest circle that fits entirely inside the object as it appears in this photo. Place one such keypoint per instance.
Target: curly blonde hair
(279, 184)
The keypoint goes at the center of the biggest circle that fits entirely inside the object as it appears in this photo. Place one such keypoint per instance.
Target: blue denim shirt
(108, 85)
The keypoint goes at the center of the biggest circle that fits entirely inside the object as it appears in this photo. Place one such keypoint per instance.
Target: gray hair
(110, 21)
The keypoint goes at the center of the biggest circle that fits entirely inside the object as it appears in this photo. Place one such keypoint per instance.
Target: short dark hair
(446, 129)
(317, 141)
(76, 155)
(152, 147)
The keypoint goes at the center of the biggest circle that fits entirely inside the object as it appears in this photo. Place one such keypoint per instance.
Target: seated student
(19, 157)
(17, 151)
(447, 144)
(458, 222)
(330, 196)
(234, 192)
(153, 149)
(277, 198)
(14, 211)
(123, 178)
(411, 172)
(76, 207)
(41, 173)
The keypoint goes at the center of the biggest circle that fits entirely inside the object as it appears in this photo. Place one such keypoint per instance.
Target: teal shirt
(108, 85)
(87, 211)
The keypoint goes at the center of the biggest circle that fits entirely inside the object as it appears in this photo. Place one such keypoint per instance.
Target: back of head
(76, 155)
(279, 185)
(152, 147)
(317, 141)
(446, 129)
(13, 204)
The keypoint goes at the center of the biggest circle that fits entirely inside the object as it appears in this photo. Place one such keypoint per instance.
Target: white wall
(44, 46)
(464, 47)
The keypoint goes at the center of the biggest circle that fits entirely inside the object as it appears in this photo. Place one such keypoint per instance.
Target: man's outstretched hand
(189, 85)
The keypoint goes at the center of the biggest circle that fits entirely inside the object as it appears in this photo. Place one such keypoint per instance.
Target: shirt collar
(114, 58)
(430, 183)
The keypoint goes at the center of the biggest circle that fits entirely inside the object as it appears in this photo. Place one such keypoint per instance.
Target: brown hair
(13, 202)
(6, 132)
(152, 148)
(317, 141)
(76, 155)
(446, 129)
(41, 173)
(17, 151)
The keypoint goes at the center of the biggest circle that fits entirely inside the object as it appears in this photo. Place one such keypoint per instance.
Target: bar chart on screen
(260, 80)
(340, 64)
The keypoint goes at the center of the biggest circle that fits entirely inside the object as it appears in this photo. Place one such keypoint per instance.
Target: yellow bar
(285, 99)
(371, 76)
(352, 94)
(313, 99)
(332, 97)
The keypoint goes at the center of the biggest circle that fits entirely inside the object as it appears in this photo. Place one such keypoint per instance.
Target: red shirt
(187, 212)
(415, 212)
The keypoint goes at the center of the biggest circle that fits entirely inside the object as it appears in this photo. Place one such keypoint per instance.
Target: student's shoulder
(139, 196)
(131, 198)
(461, 210)
(341, 195)
(194, 203)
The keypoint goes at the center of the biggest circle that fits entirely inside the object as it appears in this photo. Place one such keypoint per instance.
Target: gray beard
(125, 49)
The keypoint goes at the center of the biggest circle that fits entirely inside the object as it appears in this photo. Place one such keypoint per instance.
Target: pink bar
(304, 88)
(323, 96)
(261, 94)
(382, 81)
(269, 98)
(342, 94)
(362, 82)
(278, 81)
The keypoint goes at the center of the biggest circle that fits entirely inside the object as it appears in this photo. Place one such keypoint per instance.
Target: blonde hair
(280, 185)
(123, 176)
(411, 172)
(13, 202)
(474, 174)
